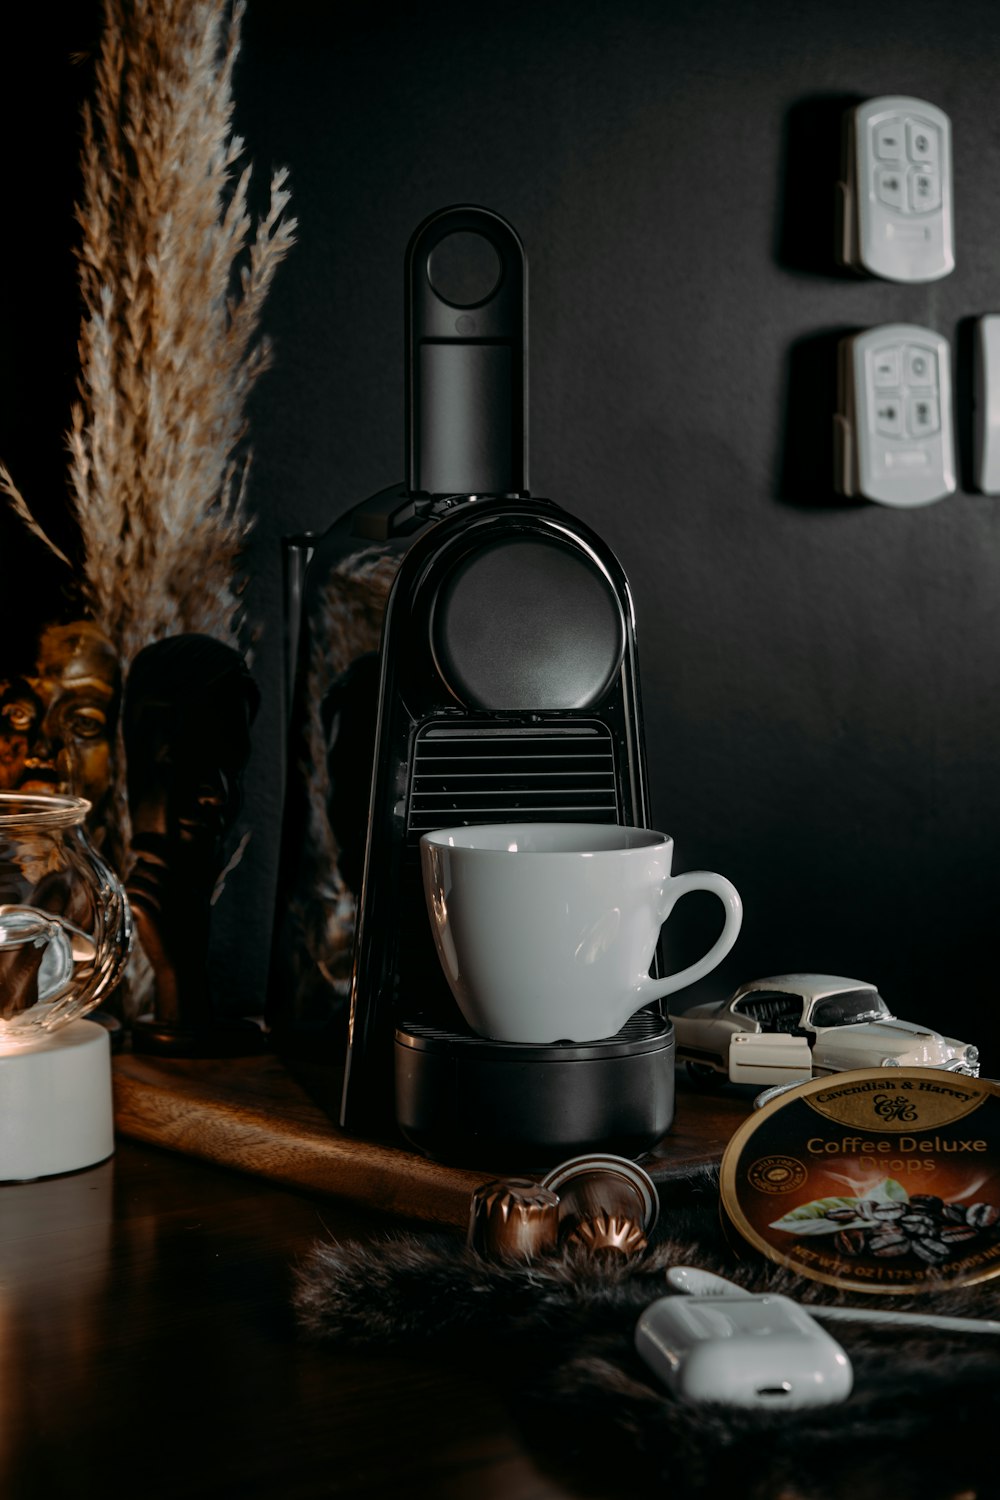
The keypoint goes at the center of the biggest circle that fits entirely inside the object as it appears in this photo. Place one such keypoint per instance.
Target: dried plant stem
(20, 507)
(173, 275)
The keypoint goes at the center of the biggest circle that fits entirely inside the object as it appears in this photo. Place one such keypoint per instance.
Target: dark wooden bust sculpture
(189, 704)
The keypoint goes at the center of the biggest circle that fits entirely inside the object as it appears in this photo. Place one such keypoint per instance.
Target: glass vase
(65, 924)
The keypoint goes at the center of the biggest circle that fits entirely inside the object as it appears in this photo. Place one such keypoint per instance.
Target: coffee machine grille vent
(469, 775)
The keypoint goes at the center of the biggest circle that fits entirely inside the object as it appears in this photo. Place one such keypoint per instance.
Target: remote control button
(889, 140)
(925, 189)
(889, 417)
(906, 460)
(920, 366)
(923, 416)
(890, 187)
(922, 143)
(885, 367)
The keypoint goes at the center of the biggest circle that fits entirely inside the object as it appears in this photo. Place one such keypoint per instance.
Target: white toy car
(791, 1027)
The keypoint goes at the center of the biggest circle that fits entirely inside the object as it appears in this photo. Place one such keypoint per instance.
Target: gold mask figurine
(57, 725)
(20, 711)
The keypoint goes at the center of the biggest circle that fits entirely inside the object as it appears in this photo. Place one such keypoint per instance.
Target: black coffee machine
(506, 690)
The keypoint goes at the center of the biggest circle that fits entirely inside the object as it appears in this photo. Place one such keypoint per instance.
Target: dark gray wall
(819, 678)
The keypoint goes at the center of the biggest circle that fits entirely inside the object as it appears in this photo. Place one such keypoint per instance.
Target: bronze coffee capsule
(610, 1195)
(513, 1219)
(608, 1232)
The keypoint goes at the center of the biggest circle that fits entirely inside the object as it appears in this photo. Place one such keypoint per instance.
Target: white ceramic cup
(546, 931)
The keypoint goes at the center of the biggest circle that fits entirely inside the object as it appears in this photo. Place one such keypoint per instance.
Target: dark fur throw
(922, 1422)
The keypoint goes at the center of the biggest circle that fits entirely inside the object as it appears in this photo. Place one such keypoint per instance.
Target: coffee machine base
(469, 1101)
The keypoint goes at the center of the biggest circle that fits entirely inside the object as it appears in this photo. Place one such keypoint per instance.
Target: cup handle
(698, 880)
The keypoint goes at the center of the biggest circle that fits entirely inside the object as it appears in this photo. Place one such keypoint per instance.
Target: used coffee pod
(513, 1219)
(609, 1232)
(605, 1202)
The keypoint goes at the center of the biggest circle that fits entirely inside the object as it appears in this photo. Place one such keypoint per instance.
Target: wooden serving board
(254, 1115)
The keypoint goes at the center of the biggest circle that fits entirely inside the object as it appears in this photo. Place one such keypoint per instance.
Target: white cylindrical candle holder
(55, 1103)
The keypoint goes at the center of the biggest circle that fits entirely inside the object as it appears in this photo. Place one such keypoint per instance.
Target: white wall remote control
(893, 429)
(896, 196)
(764, 1352)
(986, 394)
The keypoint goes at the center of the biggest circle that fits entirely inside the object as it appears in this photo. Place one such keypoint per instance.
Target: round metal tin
(875, 1180)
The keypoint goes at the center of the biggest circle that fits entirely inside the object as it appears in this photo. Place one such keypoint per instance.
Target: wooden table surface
(148, 1348)
(148, 1344)
(277, 1120)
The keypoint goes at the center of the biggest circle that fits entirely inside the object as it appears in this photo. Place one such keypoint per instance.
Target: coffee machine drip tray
(469, 1101)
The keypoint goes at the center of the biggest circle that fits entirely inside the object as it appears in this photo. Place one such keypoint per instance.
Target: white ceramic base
(55, 1104)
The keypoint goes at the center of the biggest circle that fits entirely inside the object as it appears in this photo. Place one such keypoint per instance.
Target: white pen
(911, 1319)
(697, 1283)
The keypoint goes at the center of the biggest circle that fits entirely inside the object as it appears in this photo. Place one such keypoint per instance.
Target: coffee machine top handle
(466, 356)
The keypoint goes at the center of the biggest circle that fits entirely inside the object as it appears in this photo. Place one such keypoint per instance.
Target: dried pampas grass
(174, 271)
(173, 276)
